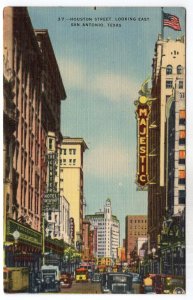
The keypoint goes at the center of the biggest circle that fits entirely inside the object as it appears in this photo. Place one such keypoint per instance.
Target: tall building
(33, 90)
(108, 231)
(86, 233)
(72, 181)
(166, 193)
(135, 227)
(57, 217)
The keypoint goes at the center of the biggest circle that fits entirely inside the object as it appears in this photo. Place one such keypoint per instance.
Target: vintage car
(136, 278)
(116, 283)
(66, 280)
(81, 275)
(16, 279)
(96, 277)
(173, 284)
(50, 277)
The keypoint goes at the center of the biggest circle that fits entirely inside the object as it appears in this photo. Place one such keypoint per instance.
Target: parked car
(50, 276)
(116, 283)
(66, 280)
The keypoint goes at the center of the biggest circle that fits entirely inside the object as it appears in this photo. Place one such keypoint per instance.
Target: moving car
(65, 280)
(81, 274)
(96, 277)
(116, 283)
(50, 276)
(136, 278)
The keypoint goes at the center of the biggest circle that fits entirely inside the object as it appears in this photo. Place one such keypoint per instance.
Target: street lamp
(16, 236)
(66, 260)
(153, 250)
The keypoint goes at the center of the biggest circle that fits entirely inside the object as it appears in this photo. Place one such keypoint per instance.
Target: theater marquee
(142, 112)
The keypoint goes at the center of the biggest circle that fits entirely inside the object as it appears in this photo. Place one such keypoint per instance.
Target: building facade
(57, 219)
(166, 194)
(108, 232)
(28, 99)
(86, 241)
(135, 227)
(71, 181)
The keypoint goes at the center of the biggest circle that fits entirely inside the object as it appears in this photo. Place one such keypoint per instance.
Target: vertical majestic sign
(143, 110)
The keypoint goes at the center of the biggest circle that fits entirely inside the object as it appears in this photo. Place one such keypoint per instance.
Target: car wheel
(178, 290)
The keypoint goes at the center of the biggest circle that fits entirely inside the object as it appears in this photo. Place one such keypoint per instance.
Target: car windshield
(176, 281)
(118, 278)
(81, 272)
(49, 271)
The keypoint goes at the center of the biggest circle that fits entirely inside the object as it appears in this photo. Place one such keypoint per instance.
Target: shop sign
(25, 234)
(51, 201)
(143, 110)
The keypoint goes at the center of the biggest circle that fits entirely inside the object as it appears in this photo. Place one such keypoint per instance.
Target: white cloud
(73, 74)
(107, 161)
(113, 86)
(116, 87)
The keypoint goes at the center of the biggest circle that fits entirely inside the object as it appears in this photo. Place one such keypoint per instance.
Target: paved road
(83, 288)
(90, 288)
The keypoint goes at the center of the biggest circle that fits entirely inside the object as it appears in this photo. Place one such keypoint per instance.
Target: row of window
(71, 151)
(169, 84)
(70, 162)
(138, 221)
(169, 69)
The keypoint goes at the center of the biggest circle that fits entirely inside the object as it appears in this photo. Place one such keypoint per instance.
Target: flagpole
(162, 23)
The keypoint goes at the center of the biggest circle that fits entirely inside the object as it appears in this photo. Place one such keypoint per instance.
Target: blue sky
(102, 70)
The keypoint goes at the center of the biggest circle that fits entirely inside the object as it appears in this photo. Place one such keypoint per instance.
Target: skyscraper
(166, 191)
(108, 231)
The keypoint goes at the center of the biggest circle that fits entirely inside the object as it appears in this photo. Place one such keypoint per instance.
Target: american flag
(171, 21)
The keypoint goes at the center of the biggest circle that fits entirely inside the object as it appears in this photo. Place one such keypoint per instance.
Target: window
(50, 144)
(182, 114)
(168, 70)
(182, 156)
(74, 162)
(182, 196)
(169, 84)
(182, 117)
(182, 137)
(70, 161)
(64, 151)
(181, 177)
(179, 69)
(50, 215)
(180, 84)
(74, 151)
(64, 161)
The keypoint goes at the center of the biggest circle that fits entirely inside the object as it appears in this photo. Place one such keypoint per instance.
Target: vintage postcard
(94, 143)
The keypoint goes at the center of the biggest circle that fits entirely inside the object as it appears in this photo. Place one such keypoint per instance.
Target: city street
(83, 288)
(90, 288)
